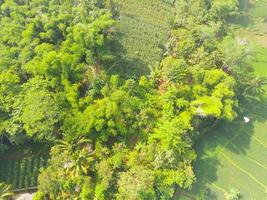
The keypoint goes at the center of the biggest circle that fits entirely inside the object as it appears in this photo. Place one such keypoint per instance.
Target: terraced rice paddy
(234, 156)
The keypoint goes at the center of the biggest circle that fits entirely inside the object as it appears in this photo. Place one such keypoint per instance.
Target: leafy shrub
(39, 196)
(233, 194)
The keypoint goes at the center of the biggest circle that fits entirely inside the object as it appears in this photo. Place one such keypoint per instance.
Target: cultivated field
(21, 168)
(234, 156)
(21, 173)
(144, 28)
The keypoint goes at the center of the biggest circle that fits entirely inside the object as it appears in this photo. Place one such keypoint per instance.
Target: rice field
(234, 156)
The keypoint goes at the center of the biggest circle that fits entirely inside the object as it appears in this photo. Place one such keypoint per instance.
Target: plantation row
(144, 31)
(22, 173)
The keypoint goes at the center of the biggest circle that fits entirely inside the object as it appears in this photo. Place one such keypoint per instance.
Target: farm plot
(233, 156)
(144, 28)
(21, 168)
(21, 173)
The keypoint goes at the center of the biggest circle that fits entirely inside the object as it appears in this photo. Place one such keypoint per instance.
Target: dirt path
(24, 196)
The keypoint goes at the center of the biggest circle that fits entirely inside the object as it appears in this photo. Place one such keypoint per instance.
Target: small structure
(246, 120)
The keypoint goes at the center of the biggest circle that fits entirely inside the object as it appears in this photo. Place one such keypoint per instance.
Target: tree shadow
(132, 67)
(205, 168)
(145, 46)
(243, 19)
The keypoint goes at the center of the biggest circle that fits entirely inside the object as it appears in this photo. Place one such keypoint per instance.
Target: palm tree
(5, 191)
(72, 146)
(80, 153)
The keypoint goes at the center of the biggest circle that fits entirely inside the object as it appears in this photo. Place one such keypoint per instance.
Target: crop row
(22, 173)
(144, 29)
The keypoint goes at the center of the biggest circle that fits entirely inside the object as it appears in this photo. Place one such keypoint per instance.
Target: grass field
(258, 14)
(22, 172)
(235, 155)
(144, 28)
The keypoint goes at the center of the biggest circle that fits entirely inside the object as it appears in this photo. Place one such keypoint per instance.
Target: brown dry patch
(162, 85)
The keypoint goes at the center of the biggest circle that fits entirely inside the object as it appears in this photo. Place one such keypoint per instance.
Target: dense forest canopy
(112, 137)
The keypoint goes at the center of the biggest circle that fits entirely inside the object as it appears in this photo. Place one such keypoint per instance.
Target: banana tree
(80, 153)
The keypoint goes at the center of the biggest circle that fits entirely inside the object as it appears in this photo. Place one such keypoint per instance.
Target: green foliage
(46, 49)
(38, 109)
(9, 86)
(5, 191)
(115, 137)
(39, 196)
(202, 39)
(125, 146)
(137, 183)
(233, 194)
(224, 9)
(173, 69)
(65, 176)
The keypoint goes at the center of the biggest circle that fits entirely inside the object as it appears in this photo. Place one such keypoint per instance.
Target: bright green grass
(144, 28)
(230, 157)
(259, 8)
(258, 13)
(261, 60)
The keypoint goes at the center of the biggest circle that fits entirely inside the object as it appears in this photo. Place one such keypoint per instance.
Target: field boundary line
(257, 140)
(244, 171)
(219, 150)
(217, 186)
(246, 156)
(251, 159)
